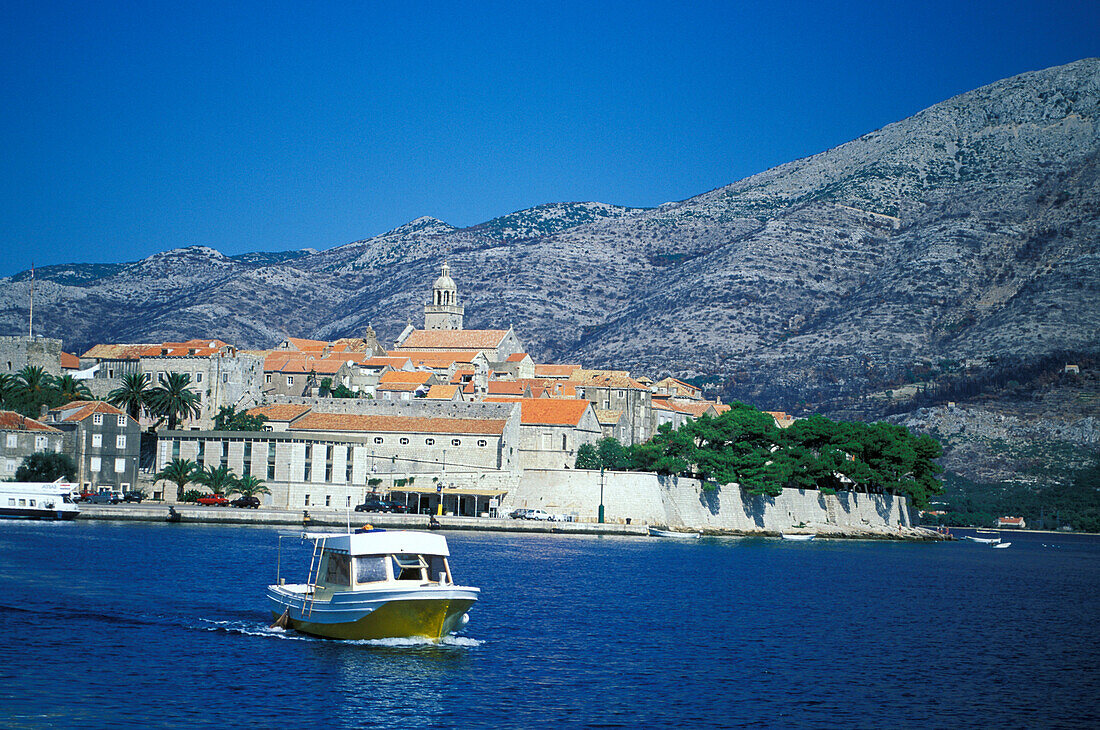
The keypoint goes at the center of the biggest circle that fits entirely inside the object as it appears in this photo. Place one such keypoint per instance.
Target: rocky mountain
(965, 233)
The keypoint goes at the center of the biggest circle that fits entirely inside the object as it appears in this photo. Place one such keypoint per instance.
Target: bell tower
(444, 312)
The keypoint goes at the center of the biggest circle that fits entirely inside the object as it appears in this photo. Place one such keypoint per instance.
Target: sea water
(127, 625)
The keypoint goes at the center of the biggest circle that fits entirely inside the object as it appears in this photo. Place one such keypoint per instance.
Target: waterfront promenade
(328, 518)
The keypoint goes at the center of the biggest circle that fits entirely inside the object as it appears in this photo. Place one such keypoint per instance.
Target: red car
(216, 500)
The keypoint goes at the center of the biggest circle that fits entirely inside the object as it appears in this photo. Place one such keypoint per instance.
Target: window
(122, 421)
(338, 570)
(620, 394)
(409, 567)
(39, 442)
(564, 447)
(120, 441)
(429, 442)
(482, 442)
(290, 380)
(110, 373)
(377, 439)
(267, 378)
(11, 501)
(97, 440)
(308, 466)
(97, 419)
(403, 441)
(456, 442)
(96, 464)
(328, 500)
(225, 377)
(270, 461)
(247, 458)
(31, 504)
(175, 449)
(10, 466)
(13, 440)
(307, 500)
(198, 377)
(120, 466)
(370, 569)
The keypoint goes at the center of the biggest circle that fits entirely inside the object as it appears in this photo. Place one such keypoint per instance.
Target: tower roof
(445, 281)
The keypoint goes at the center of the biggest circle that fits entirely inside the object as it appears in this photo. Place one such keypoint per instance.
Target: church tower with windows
(444, 312)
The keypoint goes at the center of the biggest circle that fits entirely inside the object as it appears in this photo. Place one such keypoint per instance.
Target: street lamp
(601, 495)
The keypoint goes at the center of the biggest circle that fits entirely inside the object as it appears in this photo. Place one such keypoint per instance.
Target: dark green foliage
(46, 466)
(587, 457)
(191, 495)
(173, 399)
(249, 486)
(218, 480)
(178, 471)
(612, 454)
(27, 391)
(744, 446)
(133, 395)
(230, 419)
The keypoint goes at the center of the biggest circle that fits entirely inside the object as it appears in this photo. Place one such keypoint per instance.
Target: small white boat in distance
(654, 532)
(374, 584)
(1002, 545)
(798, 537)
(38, 500)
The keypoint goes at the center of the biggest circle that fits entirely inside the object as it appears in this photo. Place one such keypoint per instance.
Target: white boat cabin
(379, 559)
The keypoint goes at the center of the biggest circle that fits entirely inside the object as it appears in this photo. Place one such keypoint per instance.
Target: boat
(799, 537)
(984, 540)
(38, 500)
(374, 584)
(653, 532)
(1003, 545)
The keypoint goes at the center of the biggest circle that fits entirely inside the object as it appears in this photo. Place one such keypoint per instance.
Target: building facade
(103, 442)
(20, 437)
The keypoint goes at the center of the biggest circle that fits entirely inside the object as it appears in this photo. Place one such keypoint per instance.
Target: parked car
(133, 497)
(373, 504)
(519, 514)
(214, 500)
(104, 498)
(246, 502)
(538, 514)
(83, 496)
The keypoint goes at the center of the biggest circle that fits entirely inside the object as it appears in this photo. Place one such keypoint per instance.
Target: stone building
(20, 437)
(103, 442)
(615, 390)
(551, 431)
(17, 353)
(444, 312)
(313, 458)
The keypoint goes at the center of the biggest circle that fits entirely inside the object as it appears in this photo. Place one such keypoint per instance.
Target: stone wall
(680, 502)
(18, 352)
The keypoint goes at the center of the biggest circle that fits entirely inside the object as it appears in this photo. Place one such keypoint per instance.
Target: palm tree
(174, 400)
(70, 389)
(7, 387)
(218, 480)
(133, 395)
(179, 471)
(250, 486)
(33, 388)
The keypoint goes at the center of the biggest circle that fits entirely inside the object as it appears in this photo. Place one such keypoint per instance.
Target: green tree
(46, 466)
(342, 391)
(613, 455)
(587, 457)
(70, 389)
(133, 394)
(178, 471)
(230, 419)
(249, 486)
(217, 479)
(174, 400)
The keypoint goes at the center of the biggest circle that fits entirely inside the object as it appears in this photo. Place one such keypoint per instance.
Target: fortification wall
(680, 502)
(18, 352)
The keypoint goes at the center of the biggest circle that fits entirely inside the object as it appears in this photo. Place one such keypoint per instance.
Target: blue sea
(137, 625)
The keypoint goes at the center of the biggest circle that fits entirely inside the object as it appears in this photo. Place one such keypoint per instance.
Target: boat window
(32, 503)
(22, 503)
(409, 567)
(338, 570)
(370, 569)
(437, 568)
(11, 501)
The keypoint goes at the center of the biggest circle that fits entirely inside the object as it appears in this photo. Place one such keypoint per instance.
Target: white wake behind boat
(374, 584)
(798, 537)
(984, 540)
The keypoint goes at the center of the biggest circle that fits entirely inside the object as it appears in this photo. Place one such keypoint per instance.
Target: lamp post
(601, 496)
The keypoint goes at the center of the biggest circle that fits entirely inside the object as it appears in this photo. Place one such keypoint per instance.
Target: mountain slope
(965, 232)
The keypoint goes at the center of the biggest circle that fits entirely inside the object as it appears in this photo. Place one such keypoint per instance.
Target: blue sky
(132, 128)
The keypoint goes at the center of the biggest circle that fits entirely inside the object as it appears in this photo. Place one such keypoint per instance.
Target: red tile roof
(12, 421)
(552, 412)
(442, 392)
(555, 371)
(418, 377)
(398, 424)
(279, 411)
(116, 352)
(517, 357)
(606, 379)
(396, 362)
(78, 410)
(448, 340)
(304, 345)
(69, 361)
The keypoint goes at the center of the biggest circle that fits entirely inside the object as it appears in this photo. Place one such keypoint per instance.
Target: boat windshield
(370, 569)
(338, 570)
(409, 567)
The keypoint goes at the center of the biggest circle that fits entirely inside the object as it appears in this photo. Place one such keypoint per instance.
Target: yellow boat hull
(421, 618)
